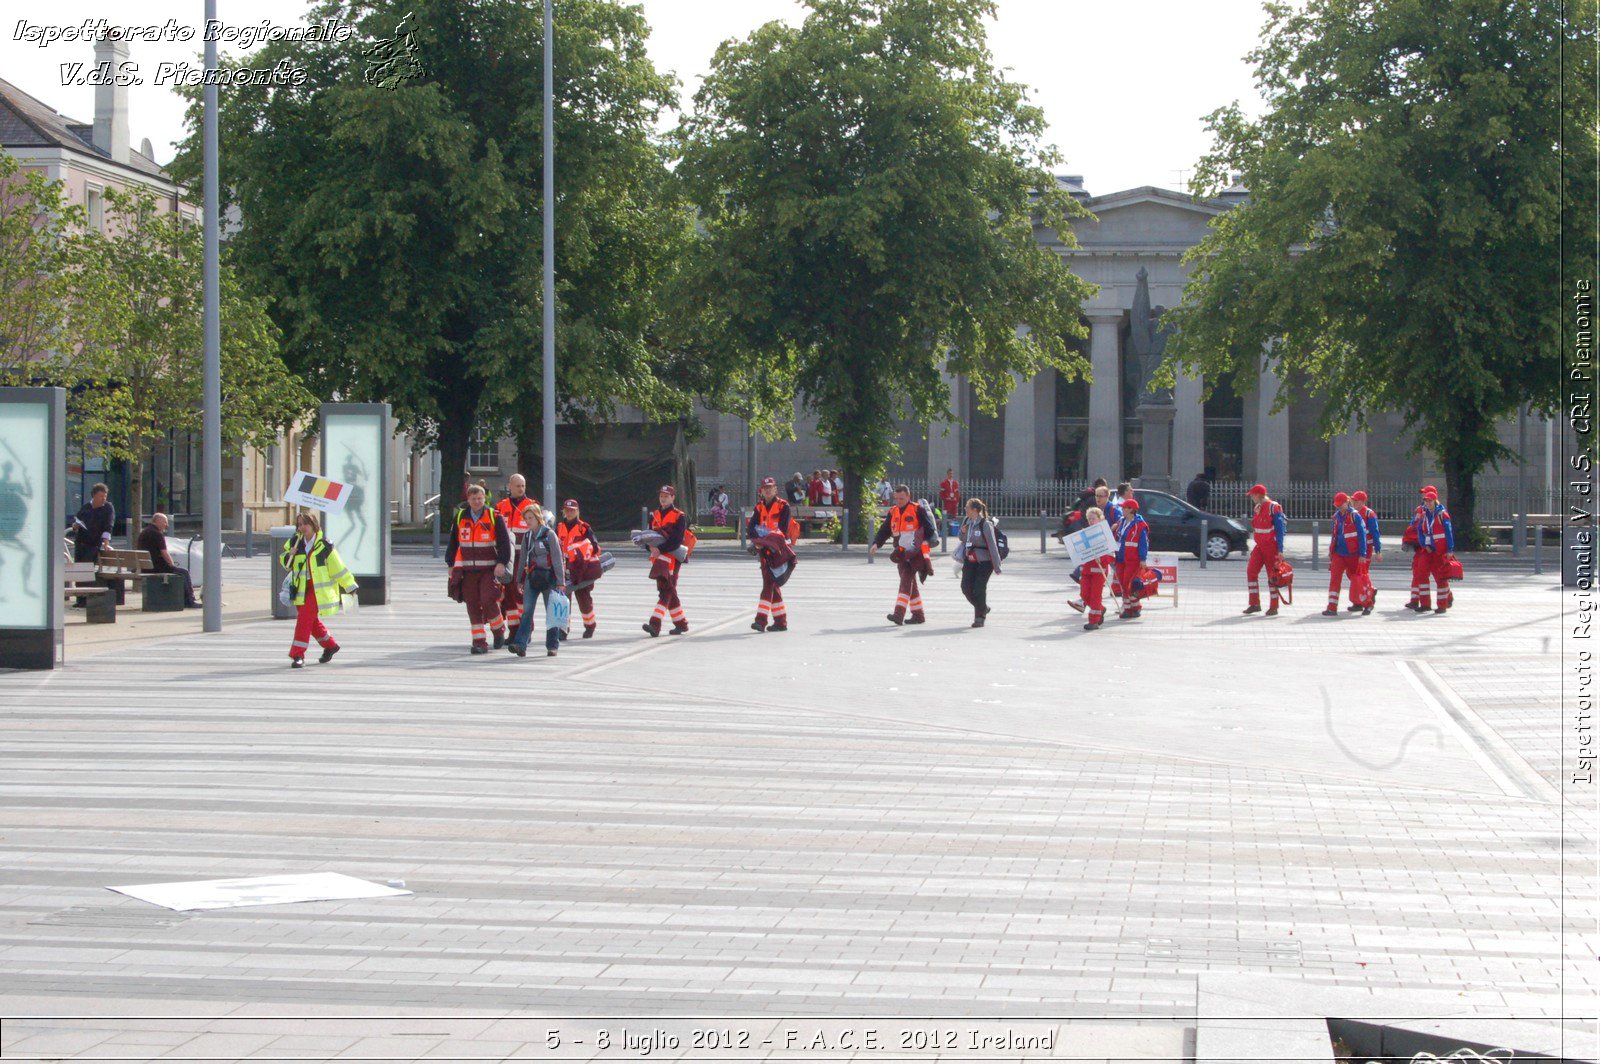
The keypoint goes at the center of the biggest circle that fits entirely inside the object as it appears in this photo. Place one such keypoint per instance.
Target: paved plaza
(1049, 828)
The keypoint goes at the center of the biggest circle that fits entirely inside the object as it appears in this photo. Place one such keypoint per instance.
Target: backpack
(927, 511)
(1280, 574)
(689, 540)
(1000, 541)
(1362, 593)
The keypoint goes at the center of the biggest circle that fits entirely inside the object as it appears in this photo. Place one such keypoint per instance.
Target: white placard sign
(257, 890)
(317, 493)
(1087, 544)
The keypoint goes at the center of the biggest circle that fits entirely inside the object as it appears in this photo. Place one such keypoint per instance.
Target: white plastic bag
(286, 590)
(558, 612)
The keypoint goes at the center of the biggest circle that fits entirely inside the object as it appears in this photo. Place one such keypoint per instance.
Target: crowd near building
(1051, 430)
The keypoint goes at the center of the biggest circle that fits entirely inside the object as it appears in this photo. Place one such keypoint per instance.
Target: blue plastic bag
(558, 612)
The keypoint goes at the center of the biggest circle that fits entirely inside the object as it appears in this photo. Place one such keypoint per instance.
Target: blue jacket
(1374, 544)
(1428, 529)
(1342, 522)
(1135, 529)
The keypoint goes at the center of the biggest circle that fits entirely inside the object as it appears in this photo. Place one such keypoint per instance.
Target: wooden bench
(161, 592)
(79, 581)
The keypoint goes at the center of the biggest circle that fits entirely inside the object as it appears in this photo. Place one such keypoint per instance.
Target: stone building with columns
(1071, 430)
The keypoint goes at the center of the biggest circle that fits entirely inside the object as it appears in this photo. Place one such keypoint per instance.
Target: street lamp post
(549, 330)
(211, 402)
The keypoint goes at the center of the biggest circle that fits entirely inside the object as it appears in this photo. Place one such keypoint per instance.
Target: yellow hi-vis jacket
(329, 575)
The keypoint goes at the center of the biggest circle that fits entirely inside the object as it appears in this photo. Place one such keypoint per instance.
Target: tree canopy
(868, 186)
(1401, 245)
(44, 273)
(394, 222)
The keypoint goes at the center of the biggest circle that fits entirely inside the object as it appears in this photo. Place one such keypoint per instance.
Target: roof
(26, 122)
(1152, 194)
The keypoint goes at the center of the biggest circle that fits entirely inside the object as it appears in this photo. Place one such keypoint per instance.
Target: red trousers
(1425, 564)
(909, 596)
(771, 603)
(667, 604)
(1261, 556)
(308, 626)
(1092, 582)
(482, 592)
(511, 604)
(1339, 567)
(585, 597)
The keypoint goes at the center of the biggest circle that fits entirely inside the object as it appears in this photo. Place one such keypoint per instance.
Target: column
(1188, 430)
(945, 437)
(1272, 430)
(1105, 396)
(1347, 459)
(1018, 456)
(1044, 424)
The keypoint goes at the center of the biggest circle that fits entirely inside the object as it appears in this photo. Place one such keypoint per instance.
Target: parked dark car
(1175, 526)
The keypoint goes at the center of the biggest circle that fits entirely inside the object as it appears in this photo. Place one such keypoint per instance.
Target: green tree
(44, 272)
(1399, 247)
(138, 374)
(395, 221)
(869, 186)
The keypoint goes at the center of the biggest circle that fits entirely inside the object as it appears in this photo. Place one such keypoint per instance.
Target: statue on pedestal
(1147, 346)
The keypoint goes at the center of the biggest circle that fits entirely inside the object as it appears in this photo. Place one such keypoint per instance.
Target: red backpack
(1280, 575)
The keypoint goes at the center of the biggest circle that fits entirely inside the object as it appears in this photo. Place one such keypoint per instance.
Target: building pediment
(1146, 220)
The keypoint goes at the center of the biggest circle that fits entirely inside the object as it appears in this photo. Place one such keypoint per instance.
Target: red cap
(1431, 494)
(1427, 488)
(1359, 496)
(1259, 489)
(1131, 504)
(667, 489)
(572, 503)
(768, 482)
(1340, 499)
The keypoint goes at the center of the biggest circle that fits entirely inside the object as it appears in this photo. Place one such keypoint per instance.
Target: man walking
(666, 561)
(1369, 517)
(1436, 548)
(1133, 547)
(768, 533)
(479, 557)
(911, 527)
(1267, 527)
(93, 525)
(1347, 551)
(513, 510)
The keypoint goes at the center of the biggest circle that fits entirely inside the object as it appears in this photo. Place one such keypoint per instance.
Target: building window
(483, 450)
(1224, 430)
(94, 203)
(1072, 429)
(269, 473)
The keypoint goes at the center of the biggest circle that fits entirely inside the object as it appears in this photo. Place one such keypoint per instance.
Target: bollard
(436, 531)
(741, 535)
(249, 533)
(1043, 546)
(1314, 545)
(872, 534)
(1519, 535)
(1205, 539)
(644, 518)
(1538, 548)
(844, 539)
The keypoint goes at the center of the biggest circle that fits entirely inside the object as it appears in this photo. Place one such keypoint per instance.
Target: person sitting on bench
(154, 539)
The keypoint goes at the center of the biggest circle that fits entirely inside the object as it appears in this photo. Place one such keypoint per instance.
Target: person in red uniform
(911, 527)
(950, 494)
(1435, 549)
(666, 562)
(814, 489)
(1268, 527)
(1094, 576)
(1133, 547)
(1347, 550)
(581, 548)
(479, 556)
(770, 517)
(1369, 516)
(513, 510)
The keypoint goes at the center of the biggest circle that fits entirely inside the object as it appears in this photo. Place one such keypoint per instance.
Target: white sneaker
(1077, 604)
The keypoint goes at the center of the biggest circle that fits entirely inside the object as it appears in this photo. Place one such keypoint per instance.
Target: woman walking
(545, 572)
(317, 579)
(979, 557)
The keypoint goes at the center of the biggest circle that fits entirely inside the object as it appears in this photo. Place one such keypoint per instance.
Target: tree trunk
(135, 496)
(453, 436)
(1461, 500)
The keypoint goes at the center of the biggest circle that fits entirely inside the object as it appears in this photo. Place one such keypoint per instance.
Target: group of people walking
(505, 558)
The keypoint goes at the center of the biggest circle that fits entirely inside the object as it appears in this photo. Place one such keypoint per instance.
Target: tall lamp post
(549, 329)
(211, 402)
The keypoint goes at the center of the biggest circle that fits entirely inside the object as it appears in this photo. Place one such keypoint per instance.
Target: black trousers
(975, 585)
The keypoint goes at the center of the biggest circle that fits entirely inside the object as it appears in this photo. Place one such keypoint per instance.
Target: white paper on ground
(259, 890)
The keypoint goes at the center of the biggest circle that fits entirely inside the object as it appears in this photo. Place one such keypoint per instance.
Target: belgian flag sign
(317, 493)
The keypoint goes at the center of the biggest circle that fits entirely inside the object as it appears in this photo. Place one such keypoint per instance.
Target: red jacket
(950, 496)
